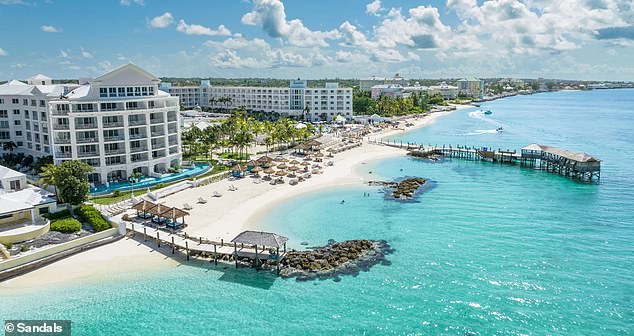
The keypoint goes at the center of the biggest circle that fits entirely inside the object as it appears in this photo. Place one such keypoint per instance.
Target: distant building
(445, 90)
(395, 90)
(296, 100)
(366, 84)
(22, 207)
(471, 87)
(389, 90)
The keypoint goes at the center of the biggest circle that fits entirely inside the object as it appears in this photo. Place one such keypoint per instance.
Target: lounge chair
(202, 200)
(232, 188)
(217, 194)
(186, 206)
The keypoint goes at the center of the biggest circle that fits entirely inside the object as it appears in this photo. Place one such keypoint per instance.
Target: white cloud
(131, 2)
(3, 52)
(230, 59)
(85, 54)
(49, 29)
(271, 16)
(18, 65)
(161, 21)
(63, 54)
(373, 7)
(194, 29)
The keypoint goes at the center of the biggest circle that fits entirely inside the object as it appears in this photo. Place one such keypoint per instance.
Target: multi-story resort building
(366, 84)
(298, 100)
(119, 123)
(471, 87)
(395, 90)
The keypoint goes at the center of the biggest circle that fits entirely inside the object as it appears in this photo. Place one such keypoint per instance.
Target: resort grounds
(219, 218)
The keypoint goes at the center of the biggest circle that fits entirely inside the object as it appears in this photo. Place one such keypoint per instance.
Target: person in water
(343, 201)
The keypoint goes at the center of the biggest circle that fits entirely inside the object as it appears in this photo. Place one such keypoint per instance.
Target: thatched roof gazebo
(157, 213)
(172, 214)
(238, 170)
(143, 207)
(266, 239)
(264, 161)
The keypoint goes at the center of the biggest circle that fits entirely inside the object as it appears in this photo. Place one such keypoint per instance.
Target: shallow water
(492, 249)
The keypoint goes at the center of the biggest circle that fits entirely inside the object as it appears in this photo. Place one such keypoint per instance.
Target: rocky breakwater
(405, 189)
(342, 258)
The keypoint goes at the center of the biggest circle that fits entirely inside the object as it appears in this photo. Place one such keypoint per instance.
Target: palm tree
(48, 177)
(9, 146)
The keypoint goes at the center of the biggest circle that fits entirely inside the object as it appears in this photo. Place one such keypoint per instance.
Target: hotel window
(112, 92)
(137, 91)
(4, 114)
(33, 102)
(27, 124)
(151, 104)
(34, 114)
(20, 144)
(121, 92)
(25, 102)
(42, 103)
(18, 133)
(129, 91)
(15, 101)
(47, 149)
(38, 147)
(1, 101)
(18, 111)
(17, 122)
(144, 91)
(131, 105)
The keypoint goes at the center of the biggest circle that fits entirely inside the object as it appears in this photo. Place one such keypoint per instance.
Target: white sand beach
(220, 218)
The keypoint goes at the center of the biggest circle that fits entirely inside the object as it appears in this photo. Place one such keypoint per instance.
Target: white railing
(57, 248)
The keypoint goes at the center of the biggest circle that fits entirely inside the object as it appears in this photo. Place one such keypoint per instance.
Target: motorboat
(487, 112)
(499, 129)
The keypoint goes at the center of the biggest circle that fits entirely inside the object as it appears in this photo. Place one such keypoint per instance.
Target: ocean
(490, 249)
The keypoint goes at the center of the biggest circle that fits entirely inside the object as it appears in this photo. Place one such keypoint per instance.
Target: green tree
(72, 182)
(48, 176)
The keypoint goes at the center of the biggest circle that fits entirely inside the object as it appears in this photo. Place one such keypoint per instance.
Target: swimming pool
(198, 169)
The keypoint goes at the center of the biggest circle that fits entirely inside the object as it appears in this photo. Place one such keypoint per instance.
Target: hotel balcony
(136, 122)
(138, 149)
(85, 126)
(87, 154)
(138, 136)
(114, 124)
(159, 132)
(115, 162)
(139, 157)
(156, 121)
(114, 138)
(115, 151)
(61, 140)
(60, 127)
(86, 140)
(63, 155)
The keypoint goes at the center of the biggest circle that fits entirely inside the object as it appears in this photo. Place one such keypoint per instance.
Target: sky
(567, 39)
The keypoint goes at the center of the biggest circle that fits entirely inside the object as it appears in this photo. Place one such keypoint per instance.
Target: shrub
(66, 225)
(93, 217)
(8, 246)
(24, 248)
(57, 215)
(116, 193)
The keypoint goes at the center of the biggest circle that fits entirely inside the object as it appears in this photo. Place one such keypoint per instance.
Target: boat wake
(480, 132)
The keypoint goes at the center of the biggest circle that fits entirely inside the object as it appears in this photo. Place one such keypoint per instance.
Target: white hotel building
(297, 100)
(119, 123)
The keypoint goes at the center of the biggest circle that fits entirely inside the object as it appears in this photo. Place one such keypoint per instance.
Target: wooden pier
(581, 167)
(255, 246)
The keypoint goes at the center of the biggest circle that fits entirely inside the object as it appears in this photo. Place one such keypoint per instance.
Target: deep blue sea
(490, 250)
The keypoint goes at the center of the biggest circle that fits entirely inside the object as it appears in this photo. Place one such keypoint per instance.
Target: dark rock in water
(405, 190)
(330, 261)
(304, 243)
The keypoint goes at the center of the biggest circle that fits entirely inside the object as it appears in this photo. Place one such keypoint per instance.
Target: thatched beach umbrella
(269, 171)
(174, 213)
(281, 166)
(294, 168)
(305, 163)
(280, 173)
(294, 162)
(307, 158)
(320, 154)
(283, 159)
(143, 206)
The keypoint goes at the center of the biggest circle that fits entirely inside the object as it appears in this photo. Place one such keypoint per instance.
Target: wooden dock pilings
(577, 166)
(214, 250)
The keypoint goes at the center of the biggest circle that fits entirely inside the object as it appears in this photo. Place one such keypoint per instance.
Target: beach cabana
(250, 165)
(314, 145)
(238, 170)
(157, 213)
(172, 215)
(142, 208)
(262, 241)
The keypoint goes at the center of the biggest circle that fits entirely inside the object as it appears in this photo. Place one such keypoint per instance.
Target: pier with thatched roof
(581, 167)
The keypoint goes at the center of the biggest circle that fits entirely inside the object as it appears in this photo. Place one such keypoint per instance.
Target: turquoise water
(492, 249)
(151, 181)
